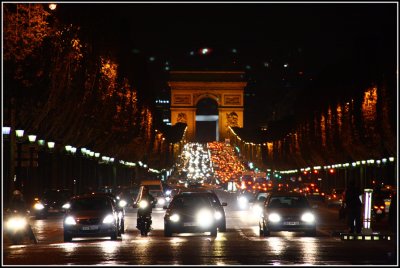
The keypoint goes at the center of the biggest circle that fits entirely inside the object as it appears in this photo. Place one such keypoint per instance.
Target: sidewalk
(382, 227)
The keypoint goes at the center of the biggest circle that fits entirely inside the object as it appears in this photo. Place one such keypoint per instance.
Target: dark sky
(308, 37)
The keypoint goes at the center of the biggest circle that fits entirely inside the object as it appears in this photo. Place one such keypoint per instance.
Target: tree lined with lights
(65, 90)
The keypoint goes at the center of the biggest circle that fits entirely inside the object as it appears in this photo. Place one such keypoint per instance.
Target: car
(191, 213)
(335, 198)
(287, 211)
(221, 222)
(91, 215)
(51, 202)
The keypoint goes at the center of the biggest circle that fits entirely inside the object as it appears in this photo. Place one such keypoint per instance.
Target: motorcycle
(144, 217)
(18, 227)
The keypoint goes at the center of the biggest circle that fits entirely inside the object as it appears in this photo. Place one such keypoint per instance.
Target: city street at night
(200, 133)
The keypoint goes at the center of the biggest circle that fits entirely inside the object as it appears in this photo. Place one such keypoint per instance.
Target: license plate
(88, 228)
(189, 224)
(53, 210)
(291, 223)
(379, 211)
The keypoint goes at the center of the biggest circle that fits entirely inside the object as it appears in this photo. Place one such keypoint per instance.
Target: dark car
(287, 211)
(51, 202)
(221, 222)
(191, 213)
(91, 215)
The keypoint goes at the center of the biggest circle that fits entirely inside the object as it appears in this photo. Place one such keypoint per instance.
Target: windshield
(288, 202)
(93, 203)
(190, 201)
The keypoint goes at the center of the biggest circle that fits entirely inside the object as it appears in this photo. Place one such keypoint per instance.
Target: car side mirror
(164, 207)
(224, 204)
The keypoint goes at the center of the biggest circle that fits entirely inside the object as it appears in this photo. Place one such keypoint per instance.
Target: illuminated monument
(207, 101)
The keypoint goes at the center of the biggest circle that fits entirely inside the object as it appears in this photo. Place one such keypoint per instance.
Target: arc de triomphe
(224, 87)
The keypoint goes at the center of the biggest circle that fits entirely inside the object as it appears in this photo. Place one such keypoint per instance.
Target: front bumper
(80, 230)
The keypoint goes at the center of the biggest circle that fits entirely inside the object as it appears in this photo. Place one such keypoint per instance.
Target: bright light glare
(108, 219)
(38, 206)
(174, 218)
(308, 217)
(16, 223)
(204, 218)
(66, 206)
(70, 220)
(143, 204)
(122, 203)
(274, 217)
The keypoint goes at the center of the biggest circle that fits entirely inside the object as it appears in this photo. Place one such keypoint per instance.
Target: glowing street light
(32, 138)
(52, 6)
(51, 144)
(19, 133)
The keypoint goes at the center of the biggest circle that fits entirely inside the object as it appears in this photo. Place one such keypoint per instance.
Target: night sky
(150, 39)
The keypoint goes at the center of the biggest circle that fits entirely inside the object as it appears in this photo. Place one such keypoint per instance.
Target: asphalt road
(240, 245)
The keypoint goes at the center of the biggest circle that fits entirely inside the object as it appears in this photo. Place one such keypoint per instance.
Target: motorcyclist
(18, 205)
(145, 210)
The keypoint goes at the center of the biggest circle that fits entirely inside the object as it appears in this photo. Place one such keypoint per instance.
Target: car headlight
(16, 223)
(66, 206)
(308, 217)
(161, 201)
(218, 215)
(274, 217)
(122, 203)
(204, 218)
(143, 204)
(174, 217)
(70, 220)
(257, 210)
(108, 219)
(38, 206)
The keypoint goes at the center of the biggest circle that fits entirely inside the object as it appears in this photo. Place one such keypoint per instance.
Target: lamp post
(50, 146)
(18, 184)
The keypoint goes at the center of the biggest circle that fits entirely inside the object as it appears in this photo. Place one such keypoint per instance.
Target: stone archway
(188, 88)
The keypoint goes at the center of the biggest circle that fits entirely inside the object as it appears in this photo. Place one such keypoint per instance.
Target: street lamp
(51, 145)
(32, 138)
(19, 133)
(52, 6)
(6, 130)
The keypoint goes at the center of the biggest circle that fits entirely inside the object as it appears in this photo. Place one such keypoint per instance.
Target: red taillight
(382, 207)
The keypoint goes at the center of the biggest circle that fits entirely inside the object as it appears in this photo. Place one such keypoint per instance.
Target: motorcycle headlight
(167, 198)
(204, 218)
(66, 206)
(161, 201)
(274, 217)
(108, 219)
(70, 220)
(38, 206)
(143, 204)
(168, 192)
(174, 217)
(218, 215)
(308, 217)
(122, 203)
(16, 223)
(242, 202)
